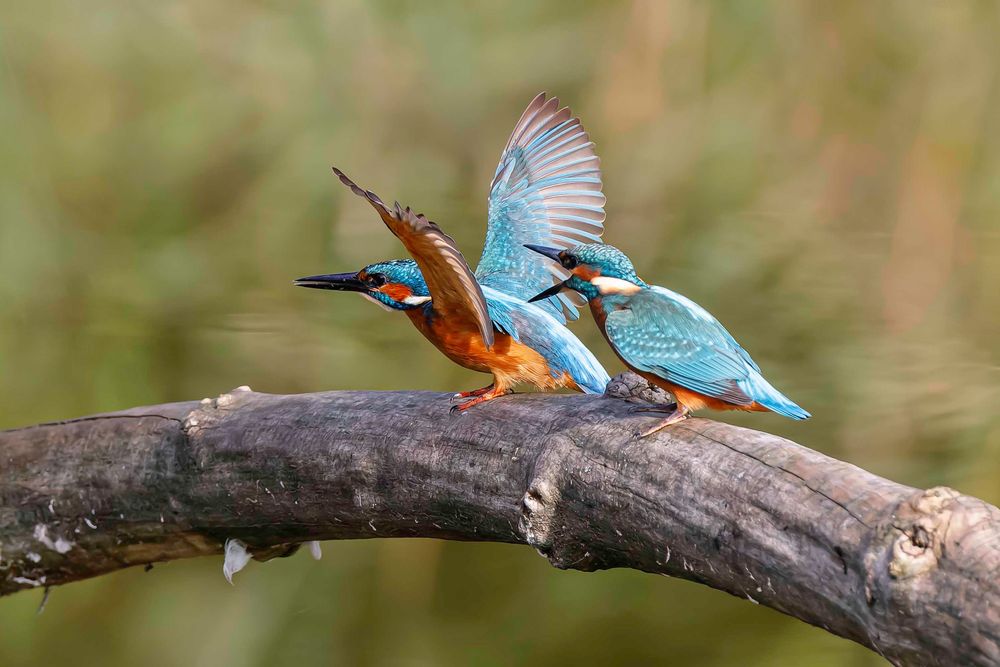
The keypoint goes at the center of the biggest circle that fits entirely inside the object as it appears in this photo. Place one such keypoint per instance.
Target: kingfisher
(547, 189)
(665, 337)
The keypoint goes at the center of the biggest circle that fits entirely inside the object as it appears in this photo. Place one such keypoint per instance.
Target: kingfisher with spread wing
(546, 190)
(665, 337)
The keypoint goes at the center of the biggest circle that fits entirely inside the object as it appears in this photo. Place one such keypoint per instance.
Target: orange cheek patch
(585, 272)
(396, 291)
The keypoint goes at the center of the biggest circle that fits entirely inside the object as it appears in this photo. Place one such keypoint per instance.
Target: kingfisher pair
(542, 258)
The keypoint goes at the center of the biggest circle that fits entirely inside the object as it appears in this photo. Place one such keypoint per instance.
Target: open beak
(552, 291)
(341, 282)
(551, 253)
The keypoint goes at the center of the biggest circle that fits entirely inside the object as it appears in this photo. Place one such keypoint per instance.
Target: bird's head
(395, 285)
(596, 270)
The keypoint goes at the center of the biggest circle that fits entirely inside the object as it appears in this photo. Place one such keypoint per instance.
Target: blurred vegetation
(824, 177)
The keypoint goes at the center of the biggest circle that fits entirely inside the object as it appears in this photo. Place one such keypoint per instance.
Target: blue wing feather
(546, 191)
(537, 328)
(664, 333)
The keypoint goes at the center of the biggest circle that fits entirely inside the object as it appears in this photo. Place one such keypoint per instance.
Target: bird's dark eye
(375, 280)
(568, 261)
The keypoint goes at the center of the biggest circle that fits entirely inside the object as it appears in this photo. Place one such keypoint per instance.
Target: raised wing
(666, 334)
(455, 293)
(546, 191)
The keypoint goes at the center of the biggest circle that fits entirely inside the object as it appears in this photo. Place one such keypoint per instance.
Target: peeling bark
(911, 574)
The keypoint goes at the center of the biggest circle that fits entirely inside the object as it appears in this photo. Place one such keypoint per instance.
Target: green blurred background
(824, 177)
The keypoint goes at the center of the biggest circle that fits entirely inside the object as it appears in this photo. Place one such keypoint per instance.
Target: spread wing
(546, 191)
(666, 334)
(455, 293)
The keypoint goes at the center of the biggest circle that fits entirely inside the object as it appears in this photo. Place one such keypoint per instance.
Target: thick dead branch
(911, 574)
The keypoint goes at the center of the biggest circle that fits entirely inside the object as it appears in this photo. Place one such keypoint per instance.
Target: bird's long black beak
(341, 282)
(551, 253)
(552, 291)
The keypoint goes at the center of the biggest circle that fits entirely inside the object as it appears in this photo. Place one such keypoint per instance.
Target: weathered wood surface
(912, 574)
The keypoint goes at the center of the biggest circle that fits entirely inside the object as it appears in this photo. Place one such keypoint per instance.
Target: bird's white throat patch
(409, 301)
(607, 285)
(375, 301)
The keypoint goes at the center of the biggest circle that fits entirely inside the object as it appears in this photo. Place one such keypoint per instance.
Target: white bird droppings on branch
(237, 558)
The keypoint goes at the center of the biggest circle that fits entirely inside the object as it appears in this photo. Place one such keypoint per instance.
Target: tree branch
(914, 575)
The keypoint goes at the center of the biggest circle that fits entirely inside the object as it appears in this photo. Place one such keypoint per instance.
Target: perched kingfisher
(547, 189)
(665, 337)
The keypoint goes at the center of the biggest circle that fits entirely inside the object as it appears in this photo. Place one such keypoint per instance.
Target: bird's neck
(610, 302)
(424, 320)
(607, 289)
(405, 303)
(584, 287)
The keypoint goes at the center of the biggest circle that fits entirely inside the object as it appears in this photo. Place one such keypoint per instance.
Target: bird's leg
(679, 414)
(491, 393)
(474, 392)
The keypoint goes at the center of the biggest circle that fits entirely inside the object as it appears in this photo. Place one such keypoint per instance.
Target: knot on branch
(208, 410)
(547, 520)
(538, 509)
(923, 525)
(541, 522)
(629, 386)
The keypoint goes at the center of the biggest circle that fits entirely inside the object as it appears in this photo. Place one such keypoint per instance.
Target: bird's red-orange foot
(676, 412)
(474, 392)
(480, 396)
(679, 414)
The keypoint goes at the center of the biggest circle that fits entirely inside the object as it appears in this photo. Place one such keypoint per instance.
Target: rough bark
(909, 573)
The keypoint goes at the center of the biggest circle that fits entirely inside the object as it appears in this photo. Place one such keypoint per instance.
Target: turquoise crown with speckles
(611, 261)
(401, 271)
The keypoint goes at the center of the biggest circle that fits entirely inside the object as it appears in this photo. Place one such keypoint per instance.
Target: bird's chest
(599, 308)
(508, 359)
(463, 345)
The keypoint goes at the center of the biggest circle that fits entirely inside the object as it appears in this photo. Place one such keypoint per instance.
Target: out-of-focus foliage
(824, 177)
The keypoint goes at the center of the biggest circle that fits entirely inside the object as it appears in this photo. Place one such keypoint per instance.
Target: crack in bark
(767, 464)
(90, 418)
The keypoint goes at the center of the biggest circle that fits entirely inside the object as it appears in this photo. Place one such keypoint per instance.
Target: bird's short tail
(593, 381)
(586, 371)
(772, 399)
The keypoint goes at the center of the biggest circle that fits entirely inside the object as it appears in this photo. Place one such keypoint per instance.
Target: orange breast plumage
(510, 361)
